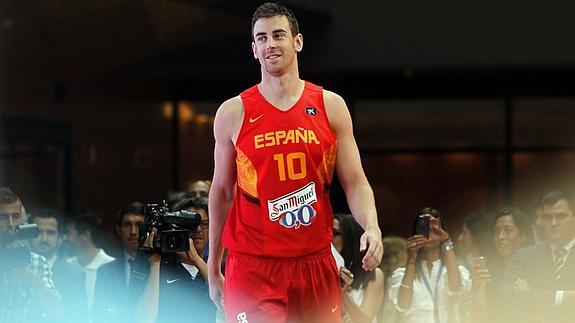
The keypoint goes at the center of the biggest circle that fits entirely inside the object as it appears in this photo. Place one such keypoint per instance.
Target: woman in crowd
(511, 231)
(395, 256)
(476, 238)
(361, 290)
(432, 287)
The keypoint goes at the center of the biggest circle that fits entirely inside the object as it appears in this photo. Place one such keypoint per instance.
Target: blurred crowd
(508, 265)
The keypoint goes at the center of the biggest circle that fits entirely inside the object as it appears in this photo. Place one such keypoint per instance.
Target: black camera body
(173, 228)
(18, 255)
(21, 232)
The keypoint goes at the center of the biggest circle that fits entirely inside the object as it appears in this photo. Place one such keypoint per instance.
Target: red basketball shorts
(261, 289)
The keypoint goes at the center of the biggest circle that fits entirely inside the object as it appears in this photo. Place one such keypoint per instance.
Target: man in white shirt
(82, 231)
(542, 276)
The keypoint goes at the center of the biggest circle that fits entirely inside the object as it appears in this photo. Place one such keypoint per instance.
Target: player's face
(48, 239)
(274, 45)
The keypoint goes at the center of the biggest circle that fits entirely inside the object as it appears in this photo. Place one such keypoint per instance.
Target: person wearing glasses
(177, 291)
(540, 284)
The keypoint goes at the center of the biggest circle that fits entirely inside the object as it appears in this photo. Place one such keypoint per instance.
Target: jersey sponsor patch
(294, 209)
(310, 111)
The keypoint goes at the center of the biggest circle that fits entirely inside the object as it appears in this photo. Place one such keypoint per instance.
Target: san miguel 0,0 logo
(295, 208)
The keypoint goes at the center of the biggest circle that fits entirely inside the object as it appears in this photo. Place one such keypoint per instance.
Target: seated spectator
(117, 290)
(176, 288)
(362, 291)
(395, 256)
(27, 292)
(68, 279)
(432, 287)
(83, 231)
(541, 281)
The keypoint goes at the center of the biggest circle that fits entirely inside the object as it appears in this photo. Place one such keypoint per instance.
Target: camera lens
(172, 241)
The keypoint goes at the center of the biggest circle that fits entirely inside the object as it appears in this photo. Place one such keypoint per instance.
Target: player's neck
(281, 91)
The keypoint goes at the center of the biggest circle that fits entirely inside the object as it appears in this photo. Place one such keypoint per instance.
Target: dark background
(457, 105)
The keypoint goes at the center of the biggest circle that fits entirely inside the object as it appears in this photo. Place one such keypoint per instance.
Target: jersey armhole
(243, 106)
(324, 107)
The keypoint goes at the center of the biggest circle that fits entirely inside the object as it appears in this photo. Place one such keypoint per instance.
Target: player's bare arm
(358, 192)
(226, 127)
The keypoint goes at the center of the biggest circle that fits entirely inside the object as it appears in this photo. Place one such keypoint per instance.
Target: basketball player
(277, 145)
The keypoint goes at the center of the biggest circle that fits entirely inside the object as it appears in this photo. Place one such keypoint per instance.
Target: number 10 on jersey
(294, 163)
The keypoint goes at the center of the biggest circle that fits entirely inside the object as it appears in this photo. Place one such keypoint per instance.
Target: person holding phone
(362, 291)
(511, 230)
(431, 287)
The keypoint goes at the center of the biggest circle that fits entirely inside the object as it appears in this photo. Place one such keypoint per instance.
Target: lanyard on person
(434, 295)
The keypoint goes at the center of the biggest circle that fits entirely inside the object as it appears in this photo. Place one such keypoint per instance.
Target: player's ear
(254, 50)
(299, 42)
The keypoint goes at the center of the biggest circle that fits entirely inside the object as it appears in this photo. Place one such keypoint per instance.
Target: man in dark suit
(117, 289)
(541, 282)
(68, 279)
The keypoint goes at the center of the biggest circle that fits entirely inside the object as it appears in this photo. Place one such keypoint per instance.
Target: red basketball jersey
(285, 162)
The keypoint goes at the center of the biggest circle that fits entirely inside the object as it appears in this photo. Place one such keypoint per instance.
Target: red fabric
(285, 162)
(278, 290)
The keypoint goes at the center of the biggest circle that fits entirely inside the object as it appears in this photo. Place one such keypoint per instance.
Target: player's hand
(371, 241)
(216, 283)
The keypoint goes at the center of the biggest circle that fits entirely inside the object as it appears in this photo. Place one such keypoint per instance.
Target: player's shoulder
(336, 108)
(332, 98)
(230, 108)
(232, 103)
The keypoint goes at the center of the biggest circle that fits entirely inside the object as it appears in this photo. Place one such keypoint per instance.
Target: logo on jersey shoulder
(294, 209)
(311, 111)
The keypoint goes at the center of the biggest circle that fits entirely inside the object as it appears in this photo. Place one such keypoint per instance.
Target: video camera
(173, 228)
(18, 255)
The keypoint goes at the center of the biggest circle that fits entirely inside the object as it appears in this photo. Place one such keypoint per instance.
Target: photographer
(176, 288)
(27, 293)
